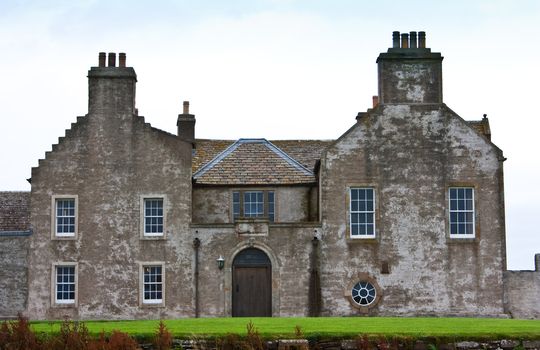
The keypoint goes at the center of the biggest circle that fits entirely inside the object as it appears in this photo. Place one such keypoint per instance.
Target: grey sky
(276, 69)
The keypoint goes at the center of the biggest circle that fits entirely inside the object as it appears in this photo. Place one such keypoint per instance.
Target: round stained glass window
(363, 293)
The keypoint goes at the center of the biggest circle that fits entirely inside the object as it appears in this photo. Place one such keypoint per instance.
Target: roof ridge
(278, 151)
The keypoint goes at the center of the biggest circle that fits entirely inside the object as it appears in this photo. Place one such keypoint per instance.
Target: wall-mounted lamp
(220, 262)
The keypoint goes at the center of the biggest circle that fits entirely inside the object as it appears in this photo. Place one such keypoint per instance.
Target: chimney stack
(375, 101)
(422, 40)
(122, 60)
(410, 73)
(395, 40)
(404, 41)
(112, 59)
(111, 89)
(186, 124)
(101, 61)
(412, 43)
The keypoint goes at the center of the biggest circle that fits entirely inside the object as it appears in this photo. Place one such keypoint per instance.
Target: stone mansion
(402, 215)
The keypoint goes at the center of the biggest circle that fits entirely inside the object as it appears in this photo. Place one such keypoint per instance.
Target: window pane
(369, 229)
(362, 229)
(369, 218)
(362, 194)
(271, 206)
(362, 218)
(369, 205)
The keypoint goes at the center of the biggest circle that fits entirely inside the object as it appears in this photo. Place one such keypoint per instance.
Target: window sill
(152, 305)
(64, 305)
(153, 238)
(64, 238)
(370, 240)
(461, 240)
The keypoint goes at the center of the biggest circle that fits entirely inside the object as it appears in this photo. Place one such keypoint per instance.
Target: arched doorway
(251, 284)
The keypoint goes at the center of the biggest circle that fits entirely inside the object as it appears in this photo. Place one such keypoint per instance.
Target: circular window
(363, 293)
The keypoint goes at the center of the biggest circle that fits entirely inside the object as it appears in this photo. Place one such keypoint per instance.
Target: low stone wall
(359, 344)
(522, 292)
(13, 274)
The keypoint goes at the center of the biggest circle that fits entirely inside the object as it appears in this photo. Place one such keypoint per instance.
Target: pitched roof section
(306, 152)
(14, 212)
(250, 162)
(206, 150)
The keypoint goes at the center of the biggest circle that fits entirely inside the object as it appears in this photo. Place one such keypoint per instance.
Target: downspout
(314, 281)
(196, 245)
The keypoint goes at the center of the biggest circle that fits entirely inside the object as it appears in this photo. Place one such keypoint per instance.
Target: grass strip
(321, 327)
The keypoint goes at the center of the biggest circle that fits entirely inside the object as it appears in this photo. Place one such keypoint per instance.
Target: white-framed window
(64, 283)
(153, 218)
(152, 283)
(362, 212)
(254, 204)
(461, 212)
(64, 214)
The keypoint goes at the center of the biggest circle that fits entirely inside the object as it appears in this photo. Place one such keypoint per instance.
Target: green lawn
(324, 327)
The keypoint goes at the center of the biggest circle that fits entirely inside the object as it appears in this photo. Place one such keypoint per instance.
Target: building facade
(403, 214)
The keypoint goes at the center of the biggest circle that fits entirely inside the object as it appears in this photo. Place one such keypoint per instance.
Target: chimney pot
(101, 60)
(186, 107)
(404, 41)
(412, 40)
(395, 40)
(375, 101)
(422, 40)
(112, 59)
(121, 59)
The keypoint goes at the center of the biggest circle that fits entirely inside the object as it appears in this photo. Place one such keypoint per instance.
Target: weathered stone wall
(522, 292)
(411, 155)
(110, 159)
(287, 245)
(13, 275)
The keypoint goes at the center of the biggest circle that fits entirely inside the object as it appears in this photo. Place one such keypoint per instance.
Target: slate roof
(14, 211)
(256, 162)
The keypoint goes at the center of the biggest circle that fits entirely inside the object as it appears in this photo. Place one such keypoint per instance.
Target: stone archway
(251, 284)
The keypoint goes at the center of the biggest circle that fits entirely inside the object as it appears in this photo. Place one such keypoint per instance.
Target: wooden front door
(252, 284)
